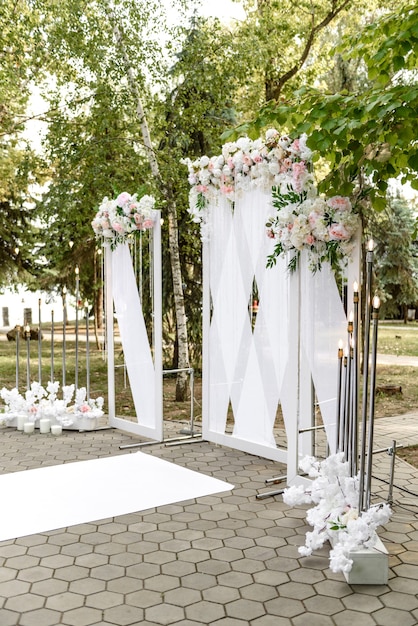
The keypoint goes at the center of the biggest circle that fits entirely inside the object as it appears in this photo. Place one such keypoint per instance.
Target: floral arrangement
(245, 164)
(38, 402)
(303, 220)
(335, 516)
(120, 218)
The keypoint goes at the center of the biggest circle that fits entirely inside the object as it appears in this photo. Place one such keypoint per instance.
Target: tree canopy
(343, 71)
(366, 136)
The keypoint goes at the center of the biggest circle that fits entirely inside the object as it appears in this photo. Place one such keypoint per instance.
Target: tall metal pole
(366, 347)
(39, 342)
(376, 305)
(17, 355)
(64, 324)
(77, 295)
(339, 383)
(350, 390)
(355, 379)
(86, 308)
(27, 337)
(52, 346)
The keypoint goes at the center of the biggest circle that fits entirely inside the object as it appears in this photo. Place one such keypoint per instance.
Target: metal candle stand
(347, 391)
(24, 333)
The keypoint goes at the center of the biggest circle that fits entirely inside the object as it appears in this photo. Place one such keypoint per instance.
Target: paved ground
(223, 560)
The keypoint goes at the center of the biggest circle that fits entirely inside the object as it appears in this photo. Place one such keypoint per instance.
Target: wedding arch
(118, 223)
(272, 312)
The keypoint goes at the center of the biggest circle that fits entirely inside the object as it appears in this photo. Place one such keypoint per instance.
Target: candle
(350, 323)
(21, 419)
(44, 425)
(28, 427)
(56, 429)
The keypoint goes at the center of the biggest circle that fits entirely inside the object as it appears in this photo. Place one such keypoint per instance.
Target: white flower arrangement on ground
(303, 220)
(39, 401)
(335, 516)
(118, 219)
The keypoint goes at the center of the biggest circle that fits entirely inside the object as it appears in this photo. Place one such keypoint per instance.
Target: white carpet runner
(48, 498)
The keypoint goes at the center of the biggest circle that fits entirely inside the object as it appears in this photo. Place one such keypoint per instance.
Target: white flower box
(85, 423)
(370, 566)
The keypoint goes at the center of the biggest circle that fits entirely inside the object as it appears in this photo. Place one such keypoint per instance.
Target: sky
(224, 9)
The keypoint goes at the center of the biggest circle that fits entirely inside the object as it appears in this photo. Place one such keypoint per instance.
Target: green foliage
(396, 256)
(366, 138)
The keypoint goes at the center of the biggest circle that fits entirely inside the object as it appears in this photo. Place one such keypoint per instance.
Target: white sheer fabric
(245, 368)
(133, 333)
(253, 366)
(323, 325)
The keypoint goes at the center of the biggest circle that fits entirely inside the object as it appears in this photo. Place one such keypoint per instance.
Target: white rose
(204, 161)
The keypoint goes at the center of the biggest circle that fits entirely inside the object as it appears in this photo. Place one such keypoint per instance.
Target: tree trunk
(181, 326)
(274, 87)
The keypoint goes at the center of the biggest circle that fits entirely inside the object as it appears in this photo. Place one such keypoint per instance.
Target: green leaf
(413, 161)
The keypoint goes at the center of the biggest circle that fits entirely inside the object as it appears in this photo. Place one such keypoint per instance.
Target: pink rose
(339, 203)
(148, 223)
(118, 227)
(286, 165)
(202, 188)
(310, 240)
(270, 234)
(298, 168)
(313, 218)
(123, 198)
(338, 232)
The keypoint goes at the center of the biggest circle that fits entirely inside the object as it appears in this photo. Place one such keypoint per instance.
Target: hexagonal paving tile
(164, 613)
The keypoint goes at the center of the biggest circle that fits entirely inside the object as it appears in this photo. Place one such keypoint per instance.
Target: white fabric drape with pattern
(253, 364)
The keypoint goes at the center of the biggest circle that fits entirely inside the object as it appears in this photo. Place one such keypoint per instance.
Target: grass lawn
(393, 338)
(398, 338)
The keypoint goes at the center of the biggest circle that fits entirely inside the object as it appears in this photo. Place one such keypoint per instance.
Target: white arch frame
(294, 342)
(143, 361)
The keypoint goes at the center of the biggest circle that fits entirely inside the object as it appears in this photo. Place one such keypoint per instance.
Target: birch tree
(166, 192)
